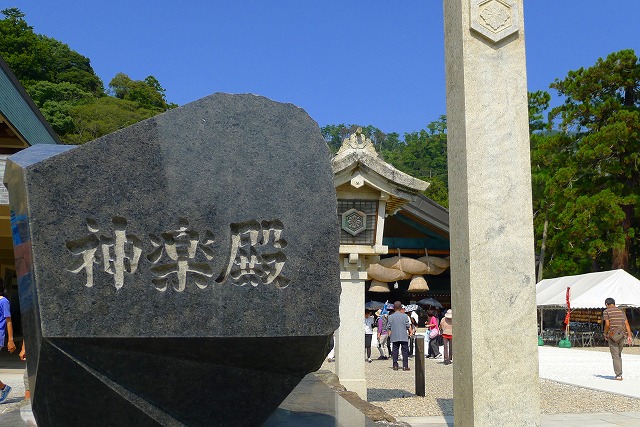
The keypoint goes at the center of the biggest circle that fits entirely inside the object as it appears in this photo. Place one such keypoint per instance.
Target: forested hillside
(63, 85)
(585, 152)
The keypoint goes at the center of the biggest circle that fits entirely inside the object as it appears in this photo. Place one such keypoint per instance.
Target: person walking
(389, 311)
(382, 335)
(368, 333)
(447, 336)
(6, 328)
(616, 332)
(433, 330)
(398, 327)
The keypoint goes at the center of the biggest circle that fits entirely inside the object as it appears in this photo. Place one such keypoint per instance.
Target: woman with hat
(447, 336)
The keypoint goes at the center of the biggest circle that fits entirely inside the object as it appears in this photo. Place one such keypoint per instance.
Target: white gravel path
(590, 369)
(394, 390)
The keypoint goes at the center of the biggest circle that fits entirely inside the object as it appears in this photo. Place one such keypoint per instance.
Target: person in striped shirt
(616, 332)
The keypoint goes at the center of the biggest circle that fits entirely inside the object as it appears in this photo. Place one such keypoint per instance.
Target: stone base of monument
(311, 403)
(171, 381)
(314, 403)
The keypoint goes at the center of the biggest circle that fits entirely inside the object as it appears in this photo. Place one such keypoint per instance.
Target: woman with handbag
(433, 330)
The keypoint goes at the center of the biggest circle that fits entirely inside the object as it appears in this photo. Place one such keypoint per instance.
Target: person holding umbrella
(430, 303)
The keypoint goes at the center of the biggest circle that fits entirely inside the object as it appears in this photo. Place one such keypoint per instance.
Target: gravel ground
(393, 391)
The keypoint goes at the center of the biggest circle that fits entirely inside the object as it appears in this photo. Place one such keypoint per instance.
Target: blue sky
(366, 62)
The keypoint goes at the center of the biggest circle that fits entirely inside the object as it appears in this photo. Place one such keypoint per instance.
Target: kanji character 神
(119, 252)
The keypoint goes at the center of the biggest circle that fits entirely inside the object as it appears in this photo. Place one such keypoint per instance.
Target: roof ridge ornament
(358, 141)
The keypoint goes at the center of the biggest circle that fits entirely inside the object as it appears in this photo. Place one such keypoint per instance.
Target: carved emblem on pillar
(494, 19)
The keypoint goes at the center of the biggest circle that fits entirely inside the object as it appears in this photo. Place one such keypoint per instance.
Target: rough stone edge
(371, 411)
(11, 406)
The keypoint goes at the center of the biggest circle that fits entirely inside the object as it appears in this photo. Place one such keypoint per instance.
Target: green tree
(102, 116)
(592, 182)
(33, 57)
(20, 47)
(66, 89)
(334, 134)
(423, 154)
(538, 104)
(56, 101)
(63, 64)
(147, 93)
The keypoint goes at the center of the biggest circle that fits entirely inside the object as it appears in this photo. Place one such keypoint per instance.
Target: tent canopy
(589, 290)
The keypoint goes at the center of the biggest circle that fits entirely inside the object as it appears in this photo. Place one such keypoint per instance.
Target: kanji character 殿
(256, 257)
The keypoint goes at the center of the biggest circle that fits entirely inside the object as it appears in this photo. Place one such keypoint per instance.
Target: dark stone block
(182, 271)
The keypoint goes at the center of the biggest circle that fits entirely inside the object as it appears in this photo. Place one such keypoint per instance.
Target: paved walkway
(584, 368)
(556, 420)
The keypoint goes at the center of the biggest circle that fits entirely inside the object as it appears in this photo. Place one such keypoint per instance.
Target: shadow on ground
(13, 400)
(606, 377)
(284, 418)
(446, 406)
(386, 394)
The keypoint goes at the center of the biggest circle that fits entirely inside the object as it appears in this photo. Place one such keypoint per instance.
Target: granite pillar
(350, 335)
(492, 252)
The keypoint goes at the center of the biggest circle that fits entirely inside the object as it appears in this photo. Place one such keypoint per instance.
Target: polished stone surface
(177, 244)
(314, 404)
(492, 247)
(311, 404)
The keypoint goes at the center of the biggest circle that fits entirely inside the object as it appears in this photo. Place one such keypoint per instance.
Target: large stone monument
(182, 271)
(492, 254)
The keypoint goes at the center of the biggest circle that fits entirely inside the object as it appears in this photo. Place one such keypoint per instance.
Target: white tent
(589, 290)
